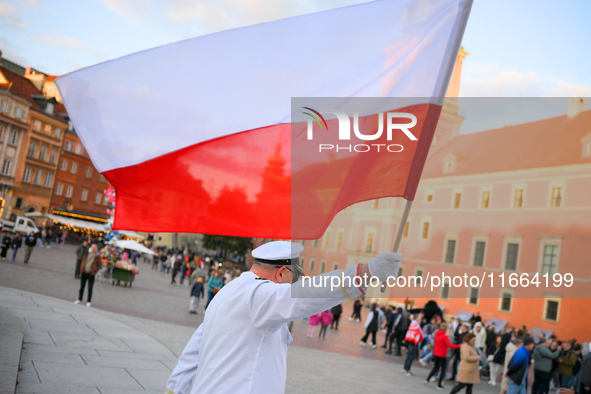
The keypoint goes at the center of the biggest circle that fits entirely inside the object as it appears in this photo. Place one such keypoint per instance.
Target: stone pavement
(50, 345)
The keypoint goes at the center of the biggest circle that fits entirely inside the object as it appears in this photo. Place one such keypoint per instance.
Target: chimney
(576, 105)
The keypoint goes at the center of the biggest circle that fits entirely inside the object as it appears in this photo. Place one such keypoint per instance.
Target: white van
(21, 225)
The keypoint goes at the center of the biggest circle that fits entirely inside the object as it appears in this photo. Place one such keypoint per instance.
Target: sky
(517, 48)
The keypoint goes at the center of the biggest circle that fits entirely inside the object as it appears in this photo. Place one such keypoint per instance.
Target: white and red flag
(195, 136)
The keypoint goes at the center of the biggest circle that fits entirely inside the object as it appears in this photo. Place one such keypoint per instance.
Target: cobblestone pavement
(155, 308)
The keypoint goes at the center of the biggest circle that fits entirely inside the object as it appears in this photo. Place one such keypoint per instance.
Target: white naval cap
(278, 252)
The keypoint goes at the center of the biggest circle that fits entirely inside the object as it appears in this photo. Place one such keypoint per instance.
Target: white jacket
(241, 347)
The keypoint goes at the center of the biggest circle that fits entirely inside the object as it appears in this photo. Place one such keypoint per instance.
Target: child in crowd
(314, 320)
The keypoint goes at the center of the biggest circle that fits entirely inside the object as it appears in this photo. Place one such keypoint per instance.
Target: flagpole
(398, 239)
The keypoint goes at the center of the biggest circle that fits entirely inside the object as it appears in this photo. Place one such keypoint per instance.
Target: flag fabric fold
(195, 136)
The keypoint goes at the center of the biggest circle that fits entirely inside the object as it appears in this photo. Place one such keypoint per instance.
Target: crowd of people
(468, 350)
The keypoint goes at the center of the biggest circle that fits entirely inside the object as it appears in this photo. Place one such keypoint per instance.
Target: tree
(224, 244)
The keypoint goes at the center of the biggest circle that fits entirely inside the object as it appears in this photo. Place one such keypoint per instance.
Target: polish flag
(197, 136)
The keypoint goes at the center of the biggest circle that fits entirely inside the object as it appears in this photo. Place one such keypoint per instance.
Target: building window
(58, 189)
(97, 200)
(315, 243)
(457, 200)
(88, 172)
(84, 195)
(49, 108)
(473, 296)
(485, 199)
(376, 203)
(18, 113)
(53, 156)
(27, 174)
(1, 133)
(79, 149)
(48, 179)
(518, 198)
(47, 129)
(339, 240)
(37, 179)
(511, 258)
(19, 203)
(506, 301)
(58, 133)
(32, 149)
(68, 146)
(64, 166)
(335, 266)
(102, 179)
(425, 234)
(5, 107)
(551, 309)
(42, 153)
(445, 290)
(37, 125)
(312, 264)
(73, 168)
(550, 262)
(406, 227)
(13, 139)
(479, 248)
(451, 251)
(326, 240)
(556, 197)
(69, 191)
(369, 243)
(6, 167)
(322, 266)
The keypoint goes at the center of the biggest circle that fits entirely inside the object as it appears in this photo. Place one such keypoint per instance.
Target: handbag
(215, 290)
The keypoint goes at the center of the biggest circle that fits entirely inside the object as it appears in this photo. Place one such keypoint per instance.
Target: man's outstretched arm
(181, 380)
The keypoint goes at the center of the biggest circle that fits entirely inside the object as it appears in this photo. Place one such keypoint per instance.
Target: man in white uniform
(241, 347)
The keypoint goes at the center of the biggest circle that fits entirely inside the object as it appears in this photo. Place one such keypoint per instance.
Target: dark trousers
(335, 322)
(541, 382)
(460, 386)
(356, 314)
(210, 296)
(77, 272)
(322, 331)
(373, 337)
(4, 251)
(410, 356)
(454, 369)
(389, 333)
(86, 277)
(399, 336)
(438, 364)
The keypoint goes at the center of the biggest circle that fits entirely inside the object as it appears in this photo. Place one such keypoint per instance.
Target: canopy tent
(76, 222)
(35, 214)
(536, 331)
(463, 315)
(131, 234)
(133, 245)
(499, 324)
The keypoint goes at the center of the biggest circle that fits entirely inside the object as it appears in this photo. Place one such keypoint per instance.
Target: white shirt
(241, 347)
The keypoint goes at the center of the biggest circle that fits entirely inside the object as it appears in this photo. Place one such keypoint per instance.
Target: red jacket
(442, 343)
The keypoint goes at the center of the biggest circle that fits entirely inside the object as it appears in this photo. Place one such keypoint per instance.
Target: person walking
(80, 252)
(566, 361)
(468, 371)
(17, 243)
(90, 265)
(440, 346)
(336, 311)
(391, 318)
(175, 270)
(495, 360)
(325, 320)
(30, 243)
(371, 327)
(413, 338)
(356, 311)
(544, 354)
(196, 294)
(215, 283)
(585, 374)
(400, 327)
(518, 367)
(246, 324)
(313, 322)
(6, 243)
